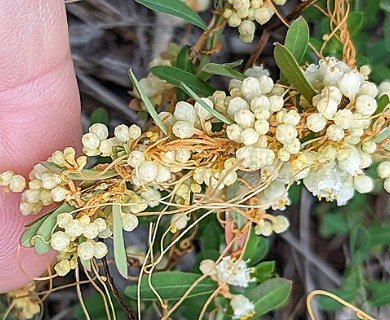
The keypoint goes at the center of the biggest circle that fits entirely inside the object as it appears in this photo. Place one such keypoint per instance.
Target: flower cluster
(243, 13)
(15, 183)
(25, 302)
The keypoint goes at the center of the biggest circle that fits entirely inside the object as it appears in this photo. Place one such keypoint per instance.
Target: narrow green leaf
(176, 76)
(386, 33)
(92, 175)
(119, 242)
(380, 292)
(26, 237)
(379, 235)
(297, 39)
(172, 285)
(221, 70)
(359, 244)
(233, 64)
(264, 271)
(175, 8)
(270, 295)
(183, 62)
(289, 67)
(211, 236)
(147, 103)
(383, 102)
(44, 232)
(100, 115)
(355, 22)
(214, 112)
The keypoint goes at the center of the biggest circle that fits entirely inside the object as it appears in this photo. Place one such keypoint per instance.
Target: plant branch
(116, 292)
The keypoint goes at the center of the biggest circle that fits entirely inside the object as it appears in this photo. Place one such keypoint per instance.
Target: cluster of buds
(243, 13)
(15, 183)
(25, 301)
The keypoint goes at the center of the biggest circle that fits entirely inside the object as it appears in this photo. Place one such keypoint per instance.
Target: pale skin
(39, 113)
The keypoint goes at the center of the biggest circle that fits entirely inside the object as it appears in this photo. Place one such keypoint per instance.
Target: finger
(39, 113)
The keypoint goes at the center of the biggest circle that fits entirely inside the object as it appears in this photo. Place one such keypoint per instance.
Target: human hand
(39, 113)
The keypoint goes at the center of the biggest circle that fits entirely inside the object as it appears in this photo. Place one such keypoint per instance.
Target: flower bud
(86, 250)
(179, 220)
(62, 268)
(60, 240)
(100, 130)
(264, 14)
(5, 178)
(383, 169)
(101, 250)
(386, 185)
(17, 183)
(185, 112)
(369, 146)
(277, 103)
(90, 141)
(147, 171)
(241, 306)
(129, 222)
(59, 194)
(280, 224)
(264, 228)
(183, 129)
(63, 219)
(234, 132)
(363, 184)
(74, 228)
(135, 158)
(366, 105)
(335, 133)
(249, 137)
(134, 132)
(207, 266)
(121, 132)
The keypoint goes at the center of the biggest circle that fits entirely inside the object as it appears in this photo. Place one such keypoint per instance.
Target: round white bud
(134, 132)
(316, 122)
(383, 170)
(264, 14)
(179, 221)
(276, 103)
(17, 183)
(292, 118)
(234, 132)
(86, 250)
(100, 130)
(50, 180)
(100, 224)
(286, 133)
(91, 231)
(280, 224)
(207, 266)
(183, 129)
(5, 178)
(60, 240)
(350, 83)
(369, 146)
(182, 155)
(366, 105)
(62, 268)
(234, 20)
(244, 118)
(386, 185)
(247, 30)
(90, 141)
(201, 111)
(129, 222)
(266, 84)
(185, 112)
(250, 87)
(249, 137)
(135, 158)
(335, 133)
(264, 228)
(262, 126)
(147, 171)
(236, 104)
(163, 174)
(260, 103)
(343, 118)
(63, 219)
(74, 228)
(363, 184)
(58, 194)
(327, 107)
(32, 196)
(101, 250)
(121, 132)
(241, 306)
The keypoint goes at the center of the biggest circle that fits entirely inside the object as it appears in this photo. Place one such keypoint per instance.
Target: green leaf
(264, 271)
(383, 102)
(386, 33)
(214, 112)
(359, 244)
(256, 249)
(44, 232)
(32, 229)
(92, 175)
(211, 236)
(99, 116)
(379, 235)
(119, 242)
(380, 293)
(147, 103)
(175, 8)
(334, 223)
(184, 63)
(355, 22)
(176, 76)
(222, 70)
(297, 39)
(289, 67)
(172, 285)
(329, 304)
(233, 64)
(270, 295)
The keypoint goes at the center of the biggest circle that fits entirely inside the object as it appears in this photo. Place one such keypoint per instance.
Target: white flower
(179, 221)
(365, 105)
(363, 184)
(63, 219)
(343, 118)
(383, 169)
(182, 155)
(235, 273)
(266, 84)
(263, 227)
(134, 132)
(202, 113)
(244, 118)
(247, 30)
(280, 224)
(101, 250)
(236, 104)
(241, 306)
(351, 164)
(5, 178)
(185, 112)
(74, 228)
(260, 103)
(121, 132)
(262, 126)
(62, 268)
(234, 20)
(100, 130)
(59, 194)
(86, 250)
(152, 197)
(135, 158)
(249, 136)
(286, 133)
(335, 133)
(327, 107)
(163, 174)
(91, 231)
(292, 118)
(50, 180)
(234, 132)
(17, 183)
(129, 222)
(369, 147)
(183, 129)
(59, 240)
(264, 14)
(32, 196)
(386, 185)
(90, 141)
(350, 83)
(250, 87)
(316, 122)
(100, 224)
(147, 171)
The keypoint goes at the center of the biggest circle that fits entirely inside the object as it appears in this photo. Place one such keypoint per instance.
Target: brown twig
(116, 292)
(267, 32)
